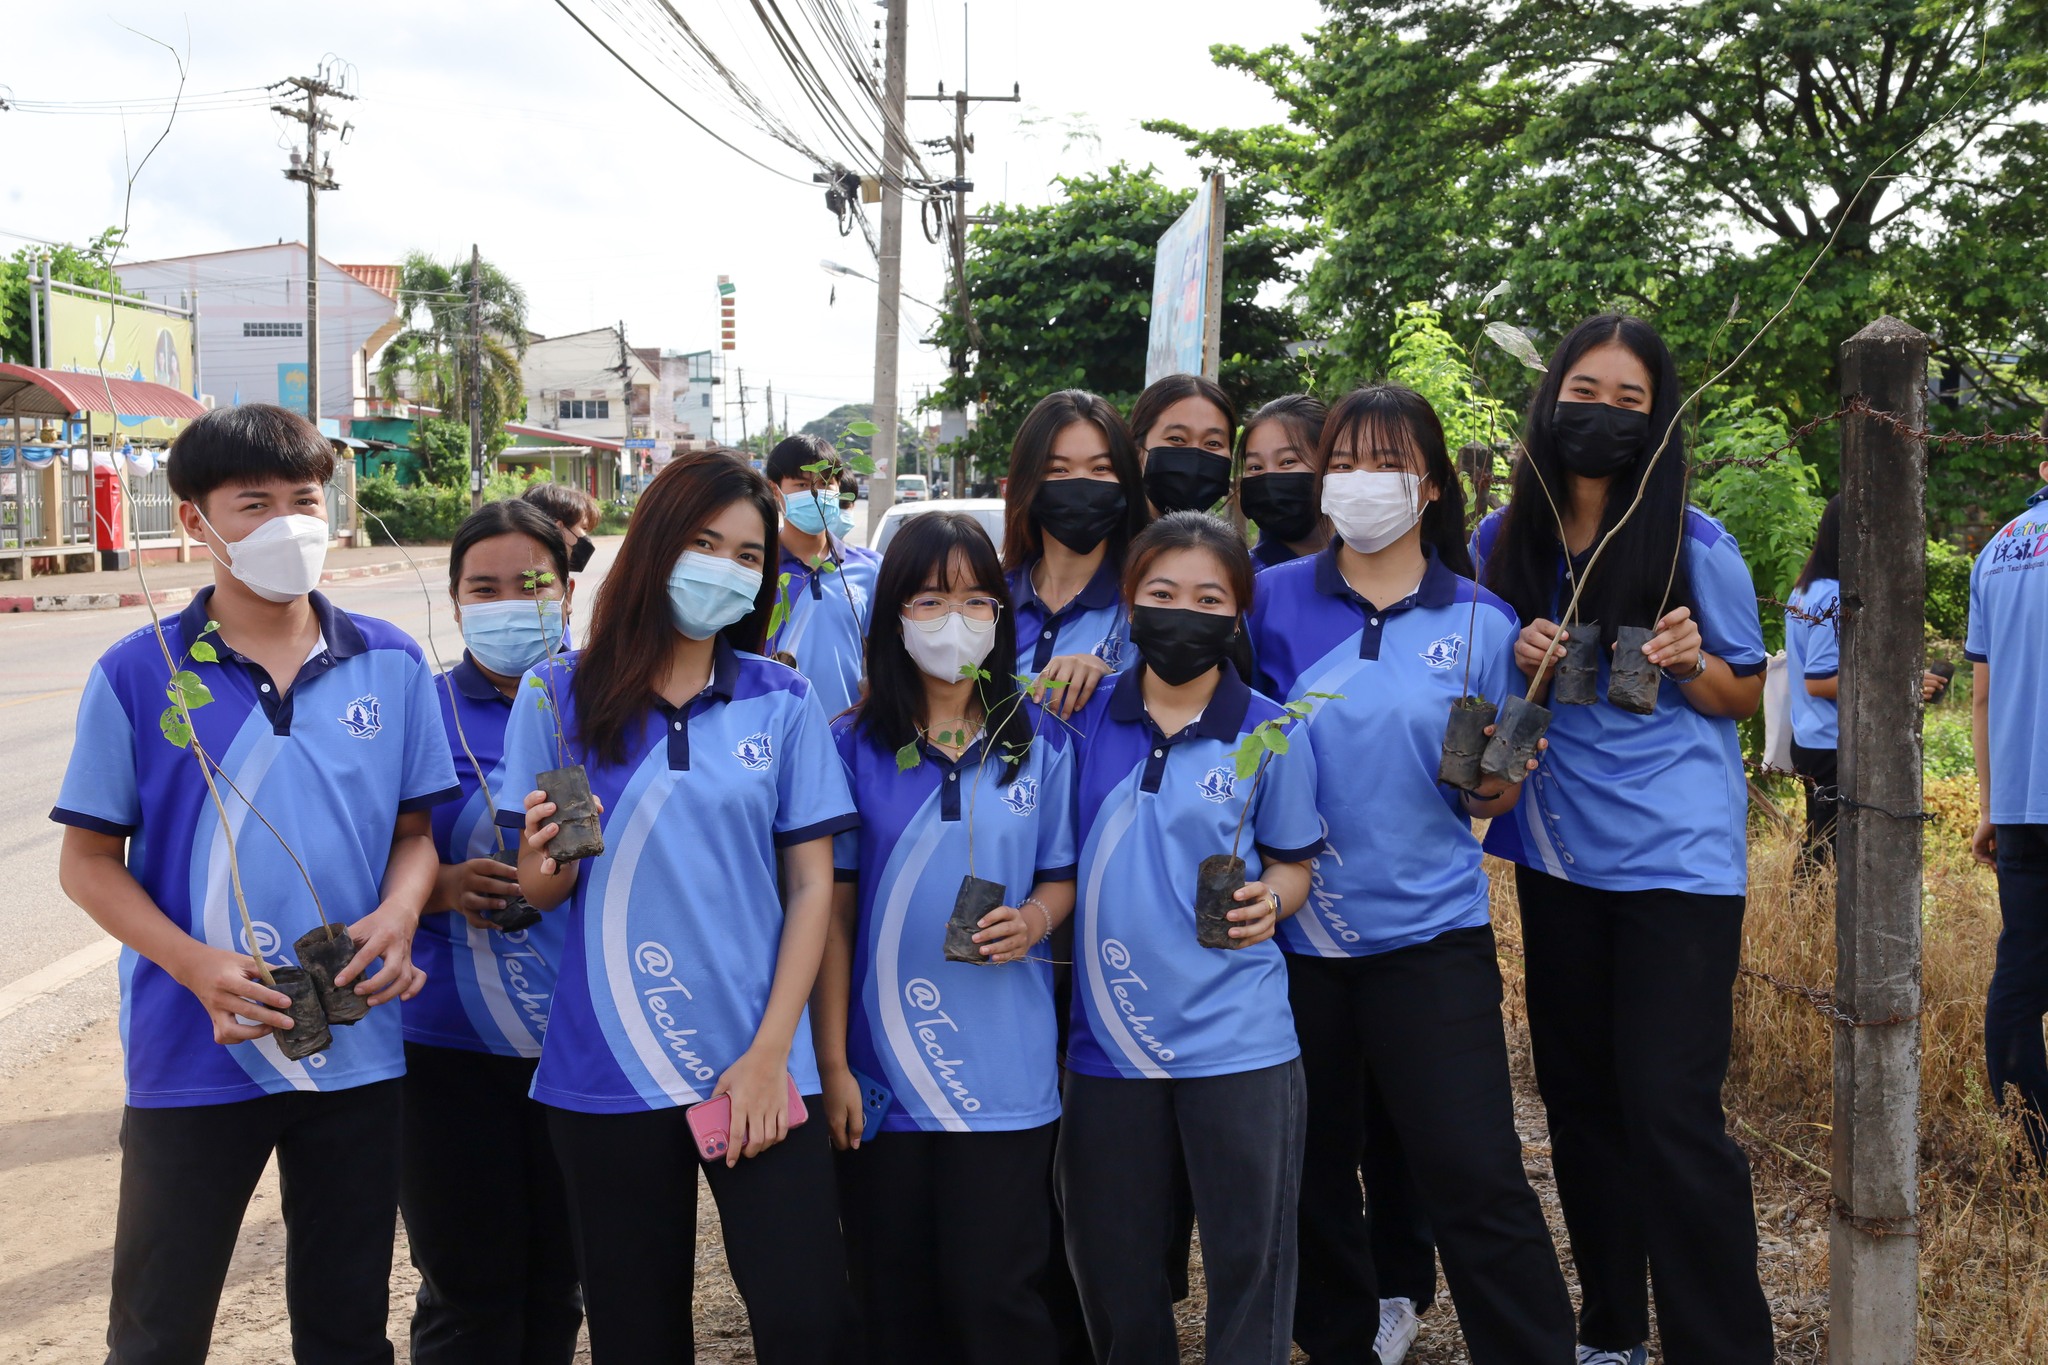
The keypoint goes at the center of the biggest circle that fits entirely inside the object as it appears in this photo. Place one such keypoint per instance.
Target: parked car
(912, 488)
(987, 511)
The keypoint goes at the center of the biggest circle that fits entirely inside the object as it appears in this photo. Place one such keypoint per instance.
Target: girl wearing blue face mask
(695, 937)
(476, 1160)
(830, 584)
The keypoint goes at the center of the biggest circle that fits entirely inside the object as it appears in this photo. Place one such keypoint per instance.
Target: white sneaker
(1399, 1326)
(1638, 1355)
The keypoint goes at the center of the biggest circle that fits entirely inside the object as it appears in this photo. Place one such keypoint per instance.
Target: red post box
(109, 509)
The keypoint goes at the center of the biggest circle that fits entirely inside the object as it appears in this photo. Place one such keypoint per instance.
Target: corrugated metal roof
(564, 437)
(382, 278)
(60, 393)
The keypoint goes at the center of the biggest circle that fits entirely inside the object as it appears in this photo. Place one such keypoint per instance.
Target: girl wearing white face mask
(1391, 965)
(949, 1068)
(694, 938)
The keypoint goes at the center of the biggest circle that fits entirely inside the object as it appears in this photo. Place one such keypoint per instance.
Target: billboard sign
(123, 341)
(291, 386)
(1187, 290)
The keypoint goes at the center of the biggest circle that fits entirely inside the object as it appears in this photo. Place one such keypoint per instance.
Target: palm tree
(429, 361)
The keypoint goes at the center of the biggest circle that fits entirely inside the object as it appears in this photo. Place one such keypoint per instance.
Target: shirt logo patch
(1022, 797)
(1110, 649)
(360, 718)
(1218, 784)
(755, 752)
(1444, 652)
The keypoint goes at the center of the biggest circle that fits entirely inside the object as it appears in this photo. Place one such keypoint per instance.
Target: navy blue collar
(470, 681)
(1100, 591)
(725, 668)
(2040, 496)
(835, 553)
(1222, 718)
(343, 639)
(1438, 588)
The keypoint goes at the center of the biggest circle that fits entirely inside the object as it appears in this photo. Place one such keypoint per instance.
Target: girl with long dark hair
(954, 774)
(1391, 966)
(1186, 426)
(1075, 498)
(695, 937)
(1182, 1062)
(1277, 490)
(473, 1034)
(1631, 855)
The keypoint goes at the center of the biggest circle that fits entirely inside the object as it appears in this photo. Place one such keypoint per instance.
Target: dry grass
(1984, 1233)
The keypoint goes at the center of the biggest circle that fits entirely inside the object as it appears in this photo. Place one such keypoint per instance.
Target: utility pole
(1873, 1236)
(882, 489)
(962, 143)
(769, 422)
(316, 175)
(476, 385)
(626, 451)
(743, 407)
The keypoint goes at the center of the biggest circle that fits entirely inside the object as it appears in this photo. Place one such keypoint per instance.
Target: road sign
(639, 443)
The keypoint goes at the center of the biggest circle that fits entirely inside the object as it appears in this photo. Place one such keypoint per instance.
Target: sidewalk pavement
(174, 584)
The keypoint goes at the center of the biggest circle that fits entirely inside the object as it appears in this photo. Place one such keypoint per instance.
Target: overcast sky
(506, 125)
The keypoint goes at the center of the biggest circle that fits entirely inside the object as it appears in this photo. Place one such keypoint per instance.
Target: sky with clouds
(506, 125)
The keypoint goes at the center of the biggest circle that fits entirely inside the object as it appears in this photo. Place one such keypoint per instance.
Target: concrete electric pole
(895, 147)
(476, 378)
(316, 175)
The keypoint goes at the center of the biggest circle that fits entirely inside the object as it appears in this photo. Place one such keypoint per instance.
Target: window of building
(273, 329)
(583, 409)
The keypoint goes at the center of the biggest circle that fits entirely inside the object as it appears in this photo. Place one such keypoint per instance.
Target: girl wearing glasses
(945, 1202)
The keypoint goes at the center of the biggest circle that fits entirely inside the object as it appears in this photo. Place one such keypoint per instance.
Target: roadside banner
(1187, 290)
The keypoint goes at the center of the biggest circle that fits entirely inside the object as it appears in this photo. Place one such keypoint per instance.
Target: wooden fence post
(1873, 1238)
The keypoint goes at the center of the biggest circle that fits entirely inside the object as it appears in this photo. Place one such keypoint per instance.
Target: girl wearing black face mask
(1182, 1062)
(1631, 857)
(1277, 492)
(1185, 424)
(1074, 500)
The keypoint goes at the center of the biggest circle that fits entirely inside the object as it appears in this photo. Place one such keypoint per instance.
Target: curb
(174, 597)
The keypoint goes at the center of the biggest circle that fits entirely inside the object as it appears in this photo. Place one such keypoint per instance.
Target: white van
(912, 488)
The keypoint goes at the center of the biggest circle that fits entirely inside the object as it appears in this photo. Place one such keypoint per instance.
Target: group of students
(930, 1157)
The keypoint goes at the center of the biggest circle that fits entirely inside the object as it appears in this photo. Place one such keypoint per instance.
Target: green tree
(833, 426)
(430, 358)
(1063, 299)
(89, 265)
(1685, 161)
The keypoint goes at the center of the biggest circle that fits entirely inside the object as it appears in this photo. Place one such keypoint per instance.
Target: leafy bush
(425, 514)
(1772, 510)
(1948, 590)
(1945, 744)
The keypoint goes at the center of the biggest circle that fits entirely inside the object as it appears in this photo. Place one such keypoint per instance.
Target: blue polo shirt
(1149, 1001)
(1093, 623)
(962, 1048)
(830, 612)
(1814, 651)
(1640, 803)
(331, 762)
(1270, 552)
(486, 991)
(2009, 631)
(1399, 864)
(674, 928)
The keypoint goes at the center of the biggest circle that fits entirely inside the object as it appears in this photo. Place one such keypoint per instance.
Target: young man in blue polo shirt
(829, 585)
(2009, 635)
(327, 723)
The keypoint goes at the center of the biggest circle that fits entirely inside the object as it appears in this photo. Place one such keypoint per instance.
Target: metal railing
(154, 513)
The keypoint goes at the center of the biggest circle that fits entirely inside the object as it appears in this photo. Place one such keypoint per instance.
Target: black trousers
(1240, 1136)
(1420, 1029)
(485, 1214)
(2018, 996)
(1403, 1247)
(948, 1236)
(1817, 766)
(632, 1182)
(1631, 1020)
(186, 1178)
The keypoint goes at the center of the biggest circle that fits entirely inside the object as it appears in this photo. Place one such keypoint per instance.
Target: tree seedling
(566, 784)
(1221, 875)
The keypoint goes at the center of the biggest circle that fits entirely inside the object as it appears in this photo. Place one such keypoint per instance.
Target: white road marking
(55, 977)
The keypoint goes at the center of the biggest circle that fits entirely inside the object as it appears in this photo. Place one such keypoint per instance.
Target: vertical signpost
(1186, 333)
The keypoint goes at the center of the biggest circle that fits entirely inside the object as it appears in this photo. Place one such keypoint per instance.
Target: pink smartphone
(711, 1122)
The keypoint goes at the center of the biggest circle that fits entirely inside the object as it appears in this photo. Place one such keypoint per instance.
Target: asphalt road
(45, 658)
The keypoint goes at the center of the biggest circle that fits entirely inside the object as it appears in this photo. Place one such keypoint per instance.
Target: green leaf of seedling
(211, 627)
(1247, 759)
(817, 466)
(172, 722)
(1324, 696)
(203, 652)
(908, 757)
(862, 428)
(1052, 684)
(189, 689)
(1274, 738)
(861, 464)
(1516, 343)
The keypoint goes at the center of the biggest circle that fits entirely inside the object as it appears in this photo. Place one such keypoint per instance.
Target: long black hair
(1825, 560)
(923, 552)
(1364, 419)
(512, 516)
(1031, 452)
(1628, 586)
